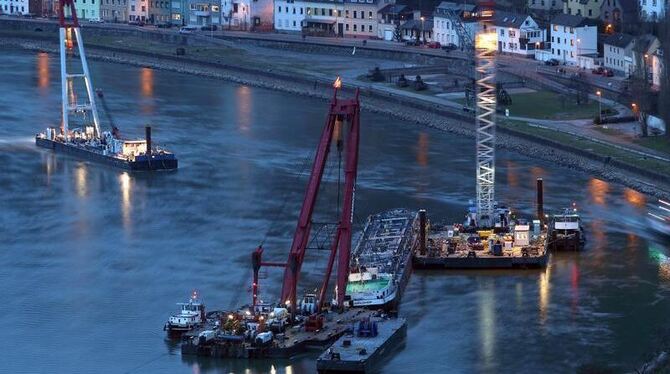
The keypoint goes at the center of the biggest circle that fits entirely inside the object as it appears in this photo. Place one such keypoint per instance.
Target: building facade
(418, 29)
(653, 10)
(204, 13)
(618, 53)
(18, 7)
(518, 34)
(138, 10)
(614, 13)
(289, 15)
(572, 36)
(179, 12)
(114, 10)
(360, 18)
(445, 32)
(389, 18)
(159, 11)
(584, 8)
(545, 5)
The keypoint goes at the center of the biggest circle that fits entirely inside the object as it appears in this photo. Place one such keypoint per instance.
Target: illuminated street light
(600, 107)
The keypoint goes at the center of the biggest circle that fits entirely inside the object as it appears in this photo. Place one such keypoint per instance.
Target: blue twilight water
(92, 259)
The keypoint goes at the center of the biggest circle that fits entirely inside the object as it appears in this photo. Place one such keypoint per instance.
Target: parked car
(136, 23)
(450, 47)
(413, 42)
(164, 25)
(552, 62)
(95, 20)
(434, 45)
(599, 70)
(188, 30)
(208, 28)
(608, 73)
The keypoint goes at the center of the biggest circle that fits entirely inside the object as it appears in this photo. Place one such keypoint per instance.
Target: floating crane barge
(88, 142)
(293, 326)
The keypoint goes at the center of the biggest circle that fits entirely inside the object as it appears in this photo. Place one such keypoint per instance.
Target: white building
(445, 31)
(656, 68)
(618, 53)
(254, 15)
(518, 34)
(572, 36)
(138, 10)
(288, 15)
(653, 10)
(14, 6)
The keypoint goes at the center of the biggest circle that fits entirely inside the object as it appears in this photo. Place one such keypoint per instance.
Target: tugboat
(88, 141)
(191, 316)
(566, 232)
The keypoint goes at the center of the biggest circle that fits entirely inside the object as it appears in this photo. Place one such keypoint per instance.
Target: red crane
(62, 4)
(345, 113)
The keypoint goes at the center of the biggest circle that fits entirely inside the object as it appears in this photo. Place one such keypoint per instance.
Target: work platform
(363, 350)
(292, 341)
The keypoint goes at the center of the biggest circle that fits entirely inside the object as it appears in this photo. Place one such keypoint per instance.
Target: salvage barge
(505, 243)
(87, 141)
(381, 261)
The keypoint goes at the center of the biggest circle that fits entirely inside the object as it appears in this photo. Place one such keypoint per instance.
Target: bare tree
(645, 99)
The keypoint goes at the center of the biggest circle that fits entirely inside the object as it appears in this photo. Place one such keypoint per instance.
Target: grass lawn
(550, 105)
(659, 143)
(597, 148)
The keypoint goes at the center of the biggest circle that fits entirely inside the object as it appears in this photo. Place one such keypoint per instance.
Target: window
(323, 11)
(144, 8)
(286, 9)
(301, 10)
(293, 23)
(355, 15)
(355, 24)
(572, 42)
(370, 15)
(132, 7)
(346, 13)
(502, 32)
(590, 12)
(330, 12)
(278, 9)
(370, 28)
(294, 12)
(555, 27)
(346, 27)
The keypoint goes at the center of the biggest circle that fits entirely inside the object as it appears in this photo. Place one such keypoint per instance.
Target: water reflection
(81, 180)
(598, 190)
(126, 206)
(43, 72)
(487, 333)
(512, 174)
(243, 98)
(422, 150)
(634, 198)
(543, 292)
(147, 82)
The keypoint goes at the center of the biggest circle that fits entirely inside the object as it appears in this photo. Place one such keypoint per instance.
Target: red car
(434, 45)
(608, 73)
(599, 70)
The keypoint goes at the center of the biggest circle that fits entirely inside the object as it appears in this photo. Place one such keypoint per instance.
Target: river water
(93, 260)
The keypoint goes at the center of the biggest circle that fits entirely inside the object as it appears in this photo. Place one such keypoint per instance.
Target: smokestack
(148, 138)
(422, 231)
(540, 200)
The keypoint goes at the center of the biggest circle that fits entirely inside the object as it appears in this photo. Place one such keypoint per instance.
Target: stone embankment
(390, 105)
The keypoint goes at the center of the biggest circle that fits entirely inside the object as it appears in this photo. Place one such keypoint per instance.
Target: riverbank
(559, 150)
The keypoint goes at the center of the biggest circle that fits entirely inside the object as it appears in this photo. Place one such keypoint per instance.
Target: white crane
(484, 48)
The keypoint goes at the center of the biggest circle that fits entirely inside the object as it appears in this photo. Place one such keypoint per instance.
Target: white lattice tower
(485, 92)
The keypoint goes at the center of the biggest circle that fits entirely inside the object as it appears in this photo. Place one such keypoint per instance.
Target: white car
(95, 20)
(188, 30)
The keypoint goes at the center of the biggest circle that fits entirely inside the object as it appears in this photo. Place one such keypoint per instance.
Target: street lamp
(423, 35)
(600, 107)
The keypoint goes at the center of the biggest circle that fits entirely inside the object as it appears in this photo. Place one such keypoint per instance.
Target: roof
(508, 19)
(395, 9)
(416, 24)
(362, 2)
(619, 40)
(572, 21)
(459, 7)
(625, 5)
(645, 42)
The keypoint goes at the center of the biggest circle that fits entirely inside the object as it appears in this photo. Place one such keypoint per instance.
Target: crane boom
(344, 113)
(67, 79)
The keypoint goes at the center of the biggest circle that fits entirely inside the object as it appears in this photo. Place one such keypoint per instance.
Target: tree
(397, 33)
(645, 99)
